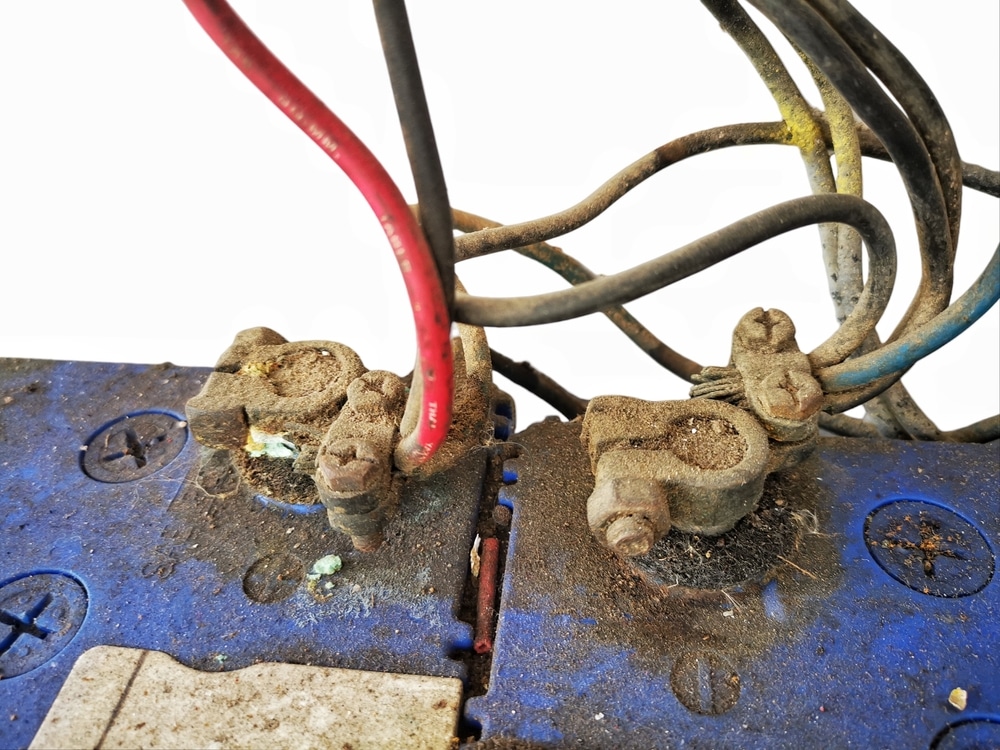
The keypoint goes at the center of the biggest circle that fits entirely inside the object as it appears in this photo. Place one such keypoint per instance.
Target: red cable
(423, 285)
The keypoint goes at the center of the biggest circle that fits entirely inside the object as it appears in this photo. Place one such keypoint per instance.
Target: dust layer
(693, 592)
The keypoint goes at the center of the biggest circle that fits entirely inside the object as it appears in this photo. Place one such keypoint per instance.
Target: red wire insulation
(430, 313)
(487, 596)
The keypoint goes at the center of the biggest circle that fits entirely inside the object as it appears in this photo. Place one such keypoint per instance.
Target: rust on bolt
(348, 467)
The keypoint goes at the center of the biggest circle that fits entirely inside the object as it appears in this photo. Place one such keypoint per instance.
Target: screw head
(763, 330)
(705, 683)
(631, 535)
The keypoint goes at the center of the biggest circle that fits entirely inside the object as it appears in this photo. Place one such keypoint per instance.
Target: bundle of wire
(850, 62)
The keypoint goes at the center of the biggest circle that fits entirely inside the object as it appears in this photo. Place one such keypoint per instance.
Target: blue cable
(905, 351)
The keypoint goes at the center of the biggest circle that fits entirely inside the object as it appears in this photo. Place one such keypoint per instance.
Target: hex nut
(630, 535)
(616, 498)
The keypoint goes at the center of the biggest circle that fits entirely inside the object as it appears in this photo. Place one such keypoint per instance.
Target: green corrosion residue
(262, 443)
(325, 566)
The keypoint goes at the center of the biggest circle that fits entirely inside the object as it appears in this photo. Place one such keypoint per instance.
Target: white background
(153, 203)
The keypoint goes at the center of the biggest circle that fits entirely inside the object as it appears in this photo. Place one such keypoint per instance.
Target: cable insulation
(420, 273)
(801, 122)
(540, 384)
(576, 273)
(901, 354)
(834, 56)
(418, 135)
(703, 253)
(510, 236)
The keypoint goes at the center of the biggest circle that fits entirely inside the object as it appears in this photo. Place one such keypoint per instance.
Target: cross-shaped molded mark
(40, 613)
(24, 624)
(931, 546)
(130, 445)
(134, 446)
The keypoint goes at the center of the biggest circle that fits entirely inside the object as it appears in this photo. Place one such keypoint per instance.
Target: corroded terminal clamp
(262, 383)
(306, 423)
(268, 404)
(696, 465)
(772, 379)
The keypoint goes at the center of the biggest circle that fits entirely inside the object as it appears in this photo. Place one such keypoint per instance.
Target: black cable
(492, 238)
(509, 236)
(540, 384)
(575, 273)
(418, 134)
(911, 91)
(703, 253)
(485, 236)
(845, 426)
(922, 108)
(974, 176)
(905, 141)
(894, 408)
(982, 179)
(983, 431)
(811, 32)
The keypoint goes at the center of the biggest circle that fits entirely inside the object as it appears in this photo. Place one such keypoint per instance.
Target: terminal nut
(628, 514)
(630, 536)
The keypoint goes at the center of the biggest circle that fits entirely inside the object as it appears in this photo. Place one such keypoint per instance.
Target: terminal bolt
(631, 535)
(354, 470)
(629, 514)
(772, 379)
(348, 466)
